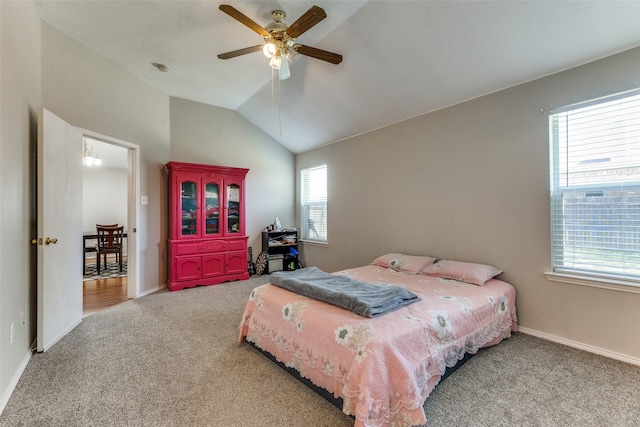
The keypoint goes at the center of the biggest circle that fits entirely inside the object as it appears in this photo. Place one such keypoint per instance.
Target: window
(314, 203)
(595, 188)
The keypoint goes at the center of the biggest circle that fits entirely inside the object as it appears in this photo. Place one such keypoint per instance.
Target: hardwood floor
(104, 293)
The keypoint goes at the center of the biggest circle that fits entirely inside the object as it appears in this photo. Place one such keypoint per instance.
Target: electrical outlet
(11, 335)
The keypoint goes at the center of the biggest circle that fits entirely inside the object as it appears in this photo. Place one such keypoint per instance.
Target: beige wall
(212, 135)
(20, 100)
(91, 92)
(41, 67)
(471, 182)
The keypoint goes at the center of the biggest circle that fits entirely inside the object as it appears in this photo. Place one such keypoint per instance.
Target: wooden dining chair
(109, 242)
(92, 248)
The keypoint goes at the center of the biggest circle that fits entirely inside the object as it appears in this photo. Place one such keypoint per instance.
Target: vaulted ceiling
(401, 58)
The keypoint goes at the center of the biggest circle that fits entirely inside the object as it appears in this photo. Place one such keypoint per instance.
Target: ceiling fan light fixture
(269, 49)
(292, 55)
(276, 62)
(284, 72)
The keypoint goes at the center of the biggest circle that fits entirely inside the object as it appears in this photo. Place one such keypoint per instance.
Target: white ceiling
(112, 156)
(401, 58)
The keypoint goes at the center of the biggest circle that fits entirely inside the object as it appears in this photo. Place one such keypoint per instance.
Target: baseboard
(14, 381)
(581, 346)
(150, 291)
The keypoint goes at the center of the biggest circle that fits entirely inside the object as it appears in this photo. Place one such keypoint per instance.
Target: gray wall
(471, 182)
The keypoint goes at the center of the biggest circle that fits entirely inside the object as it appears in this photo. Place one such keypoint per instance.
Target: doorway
(109, 194)
(104, 201)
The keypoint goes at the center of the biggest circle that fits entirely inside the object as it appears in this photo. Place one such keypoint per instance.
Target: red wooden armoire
(207, 241)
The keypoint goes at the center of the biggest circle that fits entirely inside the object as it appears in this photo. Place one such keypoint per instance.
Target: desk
(90, 235)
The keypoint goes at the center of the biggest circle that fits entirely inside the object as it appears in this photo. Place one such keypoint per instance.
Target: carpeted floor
(112, 270)
(172, 359)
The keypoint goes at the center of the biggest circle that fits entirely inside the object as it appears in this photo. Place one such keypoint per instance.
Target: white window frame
(317, 202)
(573, 189)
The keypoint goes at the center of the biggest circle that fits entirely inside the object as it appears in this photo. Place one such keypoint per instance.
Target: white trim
(594, 282)
(596, 101)
(133, 213)
(581, 346)
(150, 291)
(314, 242)
(14, 381)
(46, 346)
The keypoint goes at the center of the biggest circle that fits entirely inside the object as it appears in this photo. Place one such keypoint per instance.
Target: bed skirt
(329, 397)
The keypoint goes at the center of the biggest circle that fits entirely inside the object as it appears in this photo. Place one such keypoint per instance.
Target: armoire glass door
(233, 209)
(188, 203)
(212, 208)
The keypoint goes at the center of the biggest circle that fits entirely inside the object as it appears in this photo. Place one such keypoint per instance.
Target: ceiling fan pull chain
(279, 104)
(273, 98)
(276, 105)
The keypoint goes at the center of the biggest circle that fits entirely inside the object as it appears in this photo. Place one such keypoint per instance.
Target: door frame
(133, 207)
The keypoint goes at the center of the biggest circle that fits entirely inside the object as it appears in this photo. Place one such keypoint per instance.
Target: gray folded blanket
(362, 298)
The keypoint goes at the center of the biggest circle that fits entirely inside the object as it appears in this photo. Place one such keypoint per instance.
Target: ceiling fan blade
(234, 13)
(239, 52)
(323, 55)
(310, 18)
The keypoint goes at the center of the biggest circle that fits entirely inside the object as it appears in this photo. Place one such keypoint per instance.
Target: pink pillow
(405, 263)
(468, 272)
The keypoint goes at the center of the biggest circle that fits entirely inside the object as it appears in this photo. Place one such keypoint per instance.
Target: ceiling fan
(280, 39)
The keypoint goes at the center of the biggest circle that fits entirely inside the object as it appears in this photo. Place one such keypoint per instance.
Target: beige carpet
(171, 359)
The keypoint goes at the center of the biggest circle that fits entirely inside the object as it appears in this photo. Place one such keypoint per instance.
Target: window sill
(314, 242)
(595, 282)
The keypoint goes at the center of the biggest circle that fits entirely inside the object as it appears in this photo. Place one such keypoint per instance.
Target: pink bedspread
(383, 368)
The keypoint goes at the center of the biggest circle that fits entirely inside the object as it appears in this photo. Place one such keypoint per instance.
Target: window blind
(314, 203)
(595, 187)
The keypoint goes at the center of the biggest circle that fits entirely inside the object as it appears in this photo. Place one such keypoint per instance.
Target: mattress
(382, 368)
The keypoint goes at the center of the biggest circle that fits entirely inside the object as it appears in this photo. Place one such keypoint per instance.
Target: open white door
(59, 229)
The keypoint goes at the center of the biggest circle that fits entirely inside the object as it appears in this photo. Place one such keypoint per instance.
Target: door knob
(48, 240)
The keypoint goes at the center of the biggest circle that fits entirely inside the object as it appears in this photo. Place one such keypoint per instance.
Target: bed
(384, 367)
